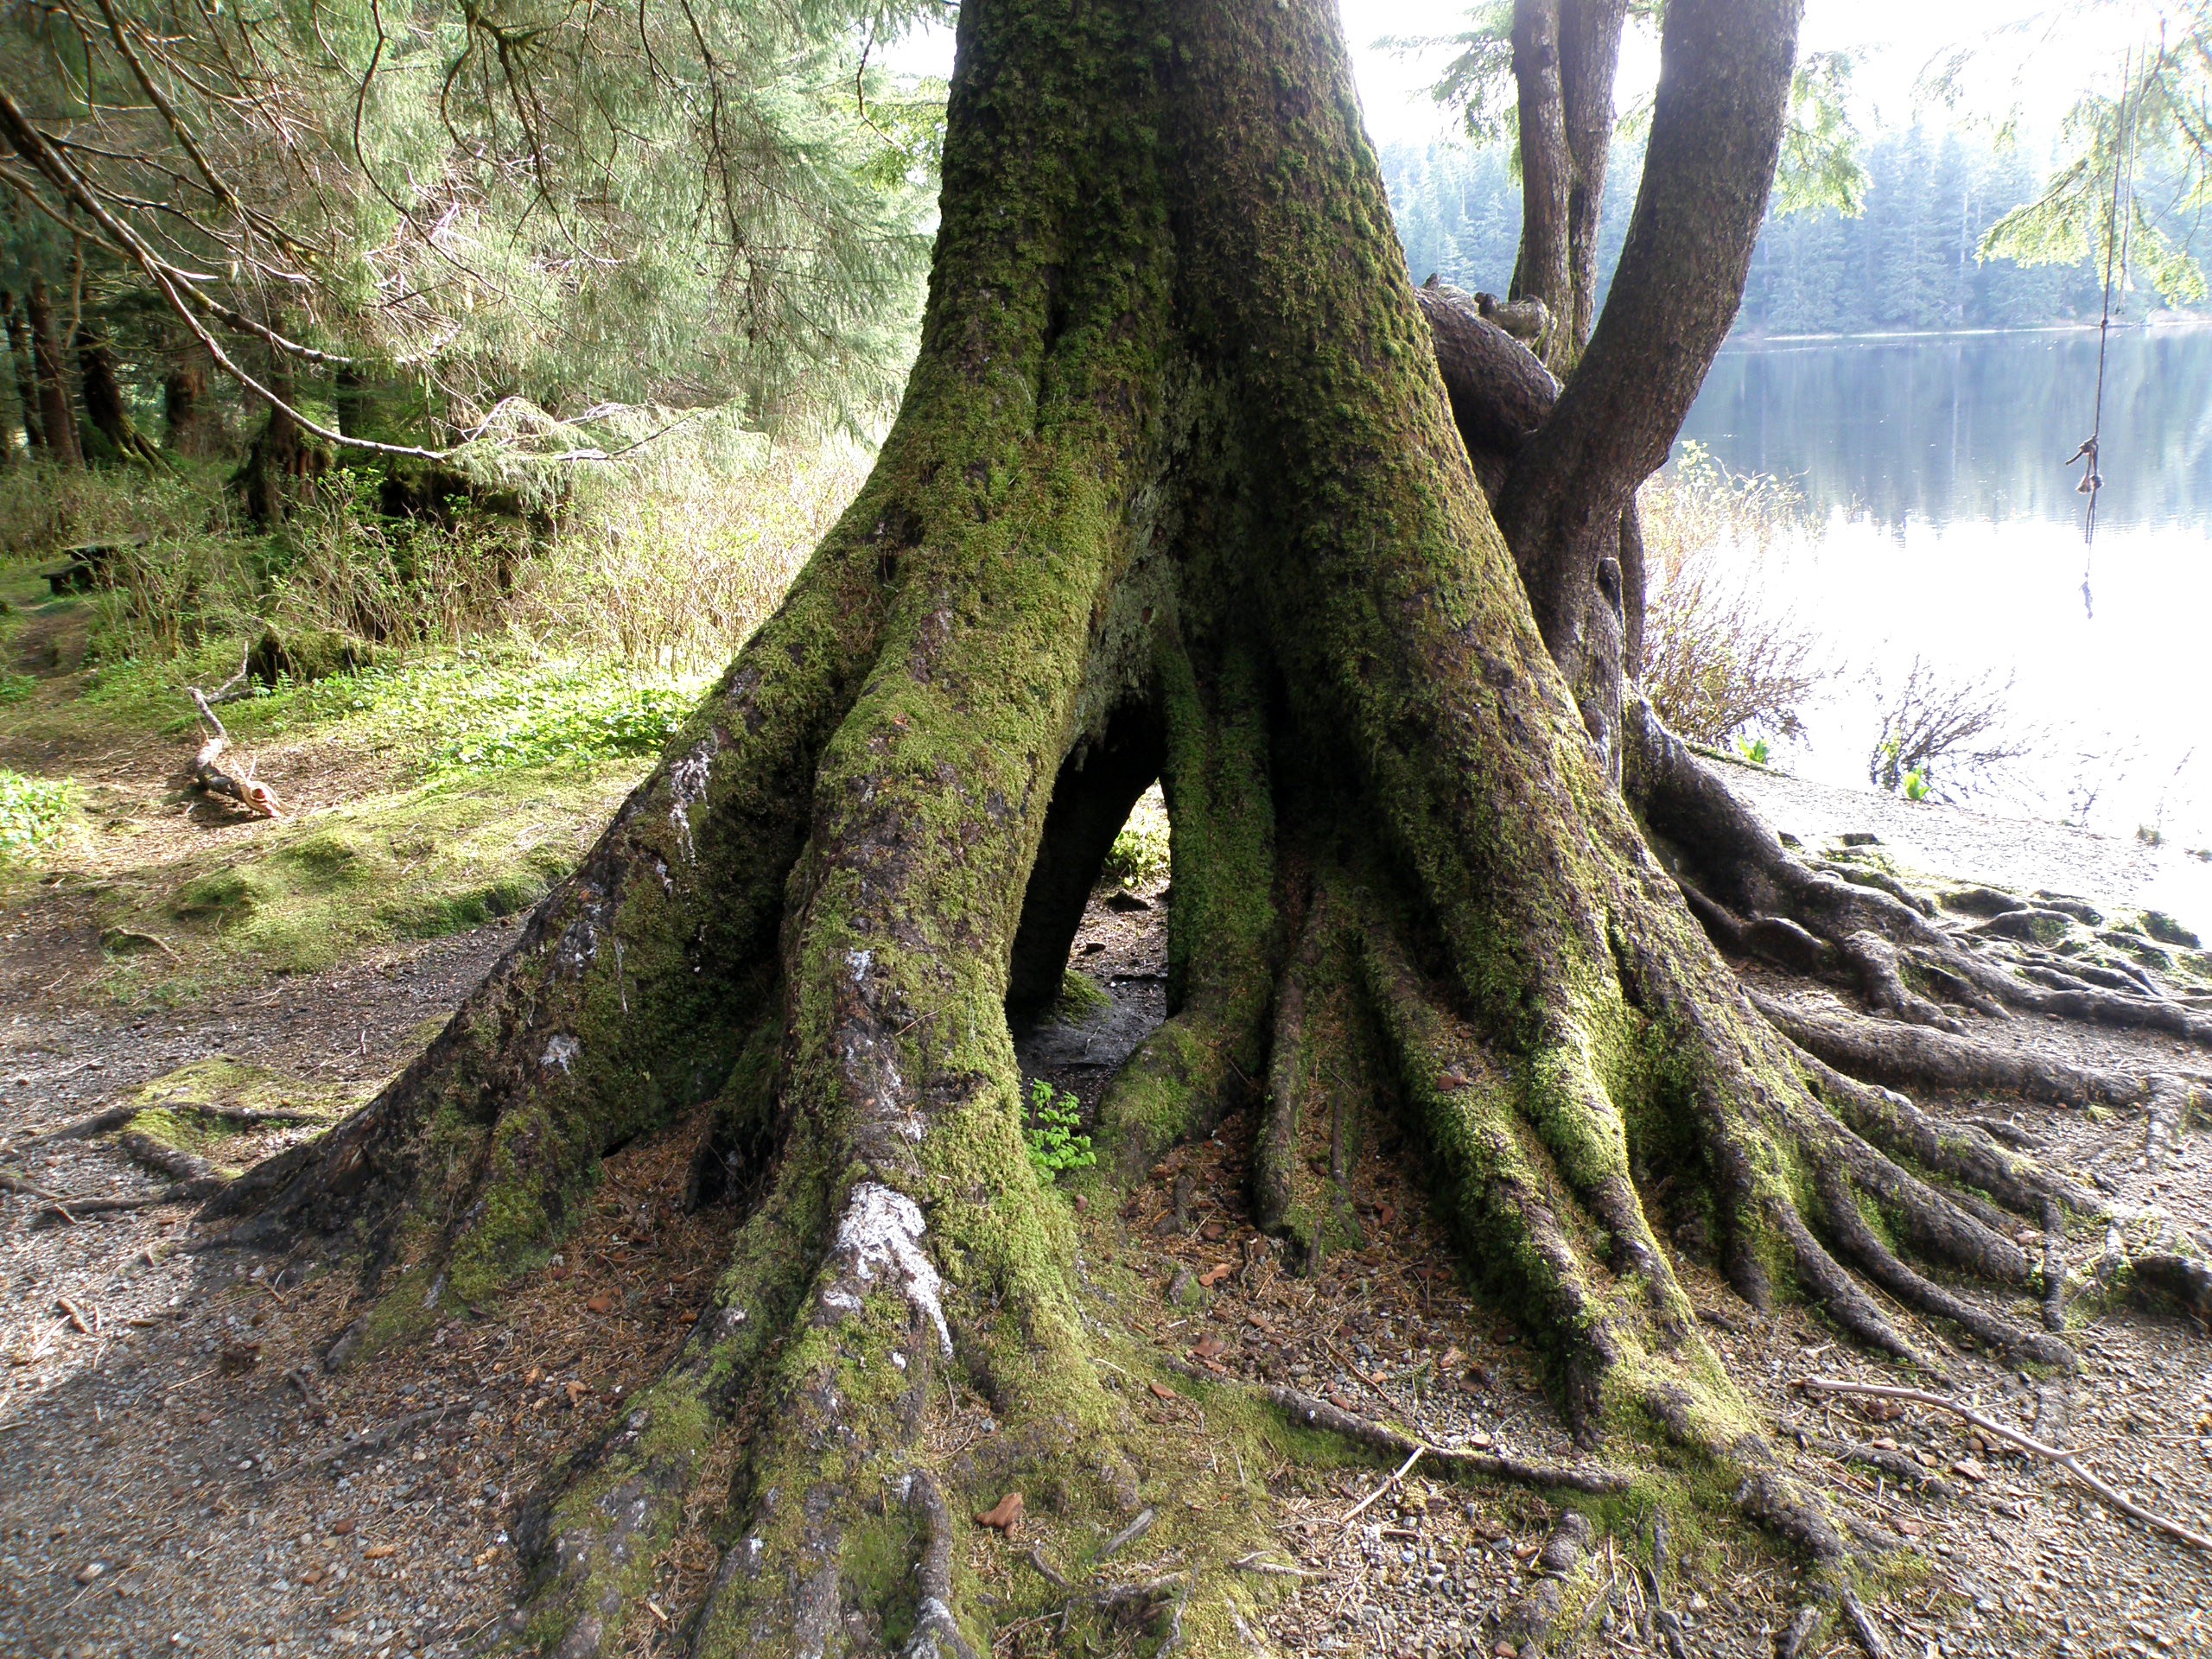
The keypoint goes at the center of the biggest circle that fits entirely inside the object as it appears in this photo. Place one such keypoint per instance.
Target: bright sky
(1893, 39)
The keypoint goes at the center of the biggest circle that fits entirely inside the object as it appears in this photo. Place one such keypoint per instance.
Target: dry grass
(1723, 660)
(667, 559)
(675, 560)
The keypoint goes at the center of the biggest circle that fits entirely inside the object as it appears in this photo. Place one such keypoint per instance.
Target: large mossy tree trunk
(284, 457)
(105, 407)
(192, 425)
(1175, 490)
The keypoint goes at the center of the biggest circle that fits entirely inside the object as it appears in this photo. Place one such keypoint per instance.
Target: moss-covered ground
(437, 791)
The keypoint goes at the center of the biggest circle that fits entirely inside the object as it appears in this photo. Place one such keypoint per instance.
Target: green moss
(1081, 997)
(2167, 931)
(418, 863)
(180, 1107)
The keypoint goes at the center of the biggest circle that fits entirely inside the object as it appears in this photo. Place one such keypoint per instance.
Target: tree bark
(188, 414)
(1174, 486)
(283, 455)
(103, 401)
(57, 419)
(1716, 130)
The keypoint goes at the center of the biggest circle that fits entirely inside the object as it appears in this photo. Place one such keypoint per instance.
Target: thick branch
(1724, 86)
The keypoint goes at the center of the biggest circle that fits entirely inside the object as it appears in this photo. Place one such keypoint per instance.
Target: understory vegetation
(459, 705)
(1724, 661)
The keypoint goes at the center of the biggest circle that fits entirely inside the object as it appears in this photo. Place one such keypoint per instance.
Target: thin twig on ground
(2066, 1461)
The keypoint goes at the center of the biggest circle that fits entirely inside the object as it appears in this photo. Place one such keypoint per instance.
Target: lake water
(1943, 524)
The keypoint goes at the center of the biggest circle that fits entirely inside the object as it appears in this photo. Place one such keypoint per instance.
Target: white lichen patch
(687, 787)
(883, 1230)
(562, 1052)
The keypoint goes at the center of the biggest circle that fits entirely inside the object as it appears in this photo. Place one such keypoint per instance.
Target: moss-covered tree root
(1759, 899)
(1175, 488)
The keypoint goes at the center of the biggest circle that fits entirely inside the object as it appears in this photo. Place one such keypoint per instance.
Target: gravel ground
(177, 1473)
(2024, 854)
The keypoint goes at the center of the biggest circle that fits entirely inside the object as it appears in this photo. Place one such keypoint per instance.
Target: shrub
(670, 559)
(1720, 659)
(1941, 739)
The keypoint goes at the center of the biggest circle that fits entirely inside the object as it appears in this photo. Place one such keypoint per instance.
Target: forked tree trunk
(1565, 55)
(57, 419)
(1175, 488)
(1716, 128)
(105, 406)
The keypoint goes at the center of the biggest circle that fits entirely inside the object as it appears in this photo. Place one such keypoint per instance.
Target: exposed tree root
(1319, 1413)
(2103, 1490)
(936, 1630)
(1908, 1057)
(1898, 1465)
(1531, 1621)
(1758, 900)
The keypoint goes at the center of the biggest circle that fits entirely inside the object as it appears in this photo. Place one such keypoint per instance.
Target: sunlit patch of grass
(33, 812)
(472, 712)
(200, 1107)
(438, 858)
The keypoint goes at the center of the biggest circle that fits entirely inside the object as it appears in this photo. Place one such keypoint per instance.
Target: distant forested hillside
(1906, 262)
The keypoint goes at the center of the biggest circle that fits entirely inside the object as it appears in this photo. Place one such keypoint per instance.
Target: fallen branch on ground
(2066, 1461)
(163, 1159)
(208, 776)
(121, 1117)
(1319, 1413)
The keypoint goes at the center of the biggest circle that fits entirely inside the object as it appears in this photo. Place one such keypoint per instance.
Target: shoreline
(1957, 844)
(2147, 325)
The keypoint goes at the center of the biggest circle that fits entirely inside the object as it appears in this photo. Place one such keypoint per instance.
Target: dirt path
(178, 1473)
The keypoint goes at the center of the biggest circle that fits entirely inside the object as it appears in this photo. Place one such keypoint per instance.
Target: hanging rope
(2117, 226)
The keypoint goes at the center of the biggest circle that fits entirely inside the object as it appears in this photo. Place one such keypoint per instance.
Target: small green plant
(1140, 853)
(1917, 786)
(1756, 750)
(1052, 1134)
(15, 688)
(32, 811)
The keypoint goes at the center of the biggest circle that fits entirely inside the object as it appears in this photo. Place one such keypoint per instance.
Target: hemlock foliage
(480, 208)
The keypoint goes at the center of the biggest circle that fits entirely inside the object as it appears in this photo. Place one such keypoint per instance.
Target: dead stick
(2065, 1460)
(1404, 1469)
(1862, 1626)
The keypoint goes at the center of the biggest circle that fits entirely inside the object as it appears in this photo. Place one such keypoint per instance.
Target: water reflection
(1944, 524)
(1955, 427)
